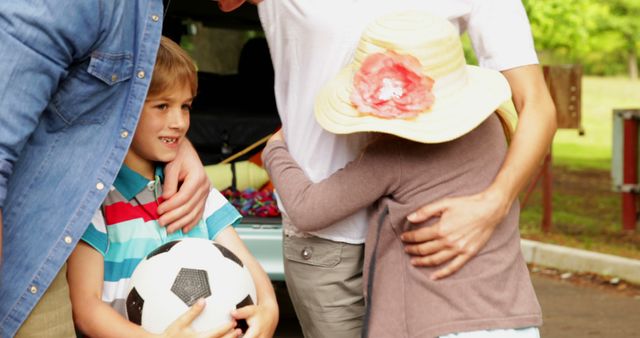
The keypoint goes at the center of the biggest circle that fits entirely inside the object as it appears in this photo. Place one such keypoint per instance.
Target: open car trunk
(235, 108)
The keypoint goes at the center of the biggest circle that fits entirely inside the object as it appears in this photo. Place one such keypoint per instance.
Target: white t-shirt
(311, 40)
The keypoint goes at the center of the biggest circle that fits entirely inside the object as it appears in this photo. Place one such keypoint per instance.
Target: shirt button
(306, 253)
(140, 74)
(114, 78)
(100, 186)
(68, 239)
(124, 134)
(33, 289)
(155, 18)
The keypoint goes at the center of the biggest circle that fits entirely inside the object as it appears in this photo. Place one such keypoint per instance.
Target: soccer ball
(175, 275)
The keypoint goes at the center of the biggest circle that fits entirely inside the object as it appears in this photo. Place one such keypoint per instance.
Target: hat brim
(449, 117)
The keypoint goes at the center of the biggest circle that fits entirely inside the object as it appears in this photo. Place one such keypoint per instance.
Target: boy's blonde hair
(173, 67)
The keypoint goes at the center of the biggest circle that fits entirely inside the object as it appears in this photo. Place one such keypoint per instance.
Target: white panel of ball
(154, 277)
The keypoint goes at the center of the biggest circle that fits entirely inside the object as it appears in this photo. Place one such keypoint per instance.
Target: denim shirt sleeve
(39, 40)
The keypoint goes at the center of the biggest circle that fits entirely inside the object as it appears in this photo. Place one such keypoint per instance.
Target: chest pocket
(91, 90)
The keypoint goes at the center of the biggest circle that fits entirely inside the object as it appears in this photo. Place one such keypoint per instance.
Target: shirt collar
(130, 183)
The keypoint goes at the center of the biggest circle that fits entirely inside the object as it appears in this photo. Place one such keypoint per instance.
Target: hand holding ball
(175, 275)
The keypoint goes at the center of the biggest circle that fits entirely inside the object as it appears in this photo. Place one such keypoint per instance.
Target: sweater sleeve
(314, 206)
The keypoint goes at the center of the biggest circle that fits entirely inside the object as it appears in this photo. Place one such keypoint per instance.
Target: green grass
(586, 212)
(599, 97)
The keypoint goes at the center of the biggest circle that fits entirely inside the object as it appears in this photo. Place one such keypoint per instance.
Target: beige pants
(324, 280)
(52, 315)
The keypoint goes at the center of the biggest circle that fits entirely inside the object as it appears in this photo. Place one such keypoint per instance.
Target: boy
(126, 224)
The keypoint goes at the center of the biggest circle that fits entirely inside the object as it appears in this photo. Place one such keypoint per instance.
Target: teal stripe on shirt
(97, 239)
(137, 248)
(115, 271)
(141, 245)
(221, 218)
(134, 229)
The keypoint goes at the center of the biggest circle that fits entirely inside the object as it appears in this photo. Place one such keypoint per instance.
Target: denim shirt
(74, 77)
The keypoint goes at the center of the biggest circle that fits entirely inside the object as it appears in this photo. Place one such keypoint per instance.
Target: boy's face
(162, 127)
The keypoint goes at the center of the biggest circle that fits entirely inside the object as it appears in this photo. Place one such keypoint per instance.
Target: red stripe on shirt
(123, 211)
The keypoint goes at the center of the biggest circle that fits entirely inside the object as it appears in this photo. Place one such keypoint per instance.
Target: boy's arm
(94, 318)
(313, 206)
(90, 314)
(263, 318)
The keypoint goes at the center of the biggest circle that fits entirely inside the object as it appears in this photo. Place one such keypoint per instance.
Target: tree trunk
(633, 65)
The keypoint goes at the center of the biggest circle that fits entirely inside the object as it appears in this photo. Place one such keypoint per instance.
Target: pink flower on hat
(390, 85)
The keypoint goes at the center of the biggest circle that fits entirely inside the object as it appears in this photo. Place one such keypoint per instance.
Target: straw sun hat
(409, 78)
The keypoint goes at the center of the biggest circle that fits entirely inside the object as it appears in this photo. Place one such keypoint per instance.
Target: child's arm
(97, 319)
(313, 206)
(262, 317)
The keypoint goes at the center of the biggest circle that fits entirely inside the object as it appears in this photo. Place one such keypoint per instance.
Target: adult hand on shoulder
(181, 327)
(185, 190)
(464, 226)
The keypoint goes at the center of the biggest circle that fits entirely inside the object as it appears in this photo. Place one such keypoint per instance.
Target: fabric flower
(390, 85)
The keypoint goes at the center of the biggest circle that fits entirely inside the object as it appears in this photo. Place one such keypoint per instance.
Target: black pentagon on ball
(162, 249)
(135, 303)
(191, 285)
(228, 254)
(242, 323)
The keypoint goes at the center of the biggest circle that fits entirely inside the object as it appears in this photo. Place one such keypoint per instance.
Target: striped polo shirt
(125, 228)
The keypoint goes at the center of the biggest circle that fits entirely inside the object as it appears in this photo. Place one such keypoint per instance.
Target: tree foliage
(604, 36)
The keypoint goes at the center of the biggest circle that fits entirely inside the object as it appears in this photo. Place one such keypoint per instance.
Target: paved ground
(570, 309)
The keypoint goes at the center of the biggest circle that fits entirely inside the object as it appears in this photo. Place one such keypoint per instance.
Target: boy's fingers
(244, 312)
(191, 314)
(225, 331)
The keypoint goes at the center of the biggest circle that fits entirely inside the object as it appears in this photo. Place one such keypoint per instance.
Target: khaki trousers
(52, 315)
(324, 280)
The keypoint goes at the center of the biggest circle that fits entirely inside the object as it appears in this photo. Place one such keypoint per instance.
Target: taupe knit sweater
(491, 291)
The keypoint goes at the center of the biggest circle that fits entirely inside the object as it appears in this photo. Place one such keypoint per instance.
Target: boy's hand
(181, 327)
(262, 320)
(185, 190)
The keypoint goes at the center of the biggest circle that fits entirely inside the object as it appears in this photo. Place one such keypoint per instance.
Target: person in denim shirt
(75, 76)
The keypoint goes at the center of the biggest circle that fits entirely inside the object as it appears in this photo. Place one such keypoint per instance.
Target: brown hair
(173, 66)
